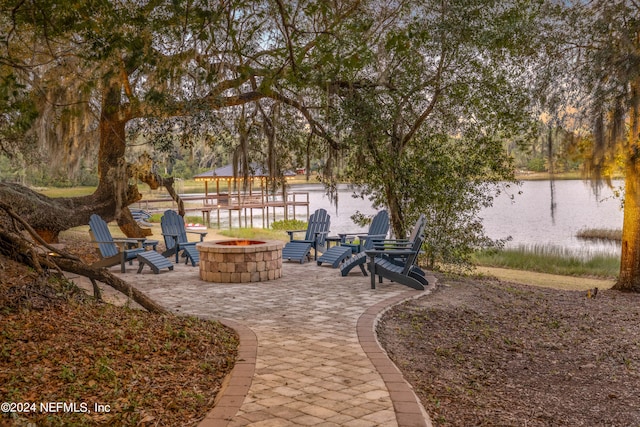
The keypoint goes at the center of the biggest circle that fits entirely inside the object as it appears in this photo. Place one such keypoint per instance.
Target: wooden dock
(245, 205)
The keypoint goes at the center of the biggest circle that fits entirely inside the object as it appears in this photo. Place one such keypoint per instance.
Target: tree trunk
(396, 216)
(113, 171)
(49, 216)
(629, 278)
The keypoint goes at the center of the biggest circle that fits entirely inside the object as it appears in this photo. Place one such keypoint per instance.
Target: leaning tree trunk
(50, 216)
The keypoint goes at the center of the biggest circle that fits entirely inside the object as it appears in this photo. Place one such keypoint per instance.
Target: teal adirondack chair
(113, 251)
(396, 259)
(378, 230)
(175, 236)
(360, 258)
(315, 238)
(336, 255)
(397, 265)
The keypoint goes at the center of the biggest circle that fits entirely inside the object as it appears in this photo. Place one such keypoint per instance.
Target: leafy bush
(537, 164)
(289, 224)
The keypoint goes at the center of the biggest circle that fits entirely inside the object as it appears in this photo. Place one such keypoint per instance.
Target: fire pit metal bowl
(240, 261)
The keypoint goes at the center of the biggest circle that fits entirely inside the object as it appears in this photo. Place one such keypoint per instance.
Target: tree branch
(66, 262)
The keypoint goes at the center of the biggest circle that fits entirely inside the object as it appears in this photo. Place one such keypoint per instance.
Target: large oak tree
(77, 73)
(426, 109)
(117, 63)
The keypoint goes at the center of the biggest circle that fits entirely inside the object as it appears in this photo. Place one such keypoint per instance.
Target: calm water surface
(534, 217)
(527, 217)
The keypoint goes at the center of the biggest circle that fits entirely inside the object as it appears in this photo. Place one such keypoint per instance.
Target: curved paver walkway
(308, 354)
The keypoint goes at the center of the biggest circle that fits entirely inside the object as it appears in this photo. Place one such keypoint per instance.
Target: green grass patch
(552, 260)
(188, 219)
(156, 217)
(66, 192)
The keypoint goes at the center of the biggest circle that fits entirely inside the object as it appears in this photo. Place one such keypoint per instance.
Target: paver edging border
(409, 411)
(235, 386)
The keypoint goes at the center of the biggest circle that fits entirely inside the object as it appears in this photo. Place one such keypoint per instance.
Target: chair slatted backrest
(319, 222)
(101, 234)
(411, 259)
(173, 224)
(379, 228)
(416, 231)
(418, 228)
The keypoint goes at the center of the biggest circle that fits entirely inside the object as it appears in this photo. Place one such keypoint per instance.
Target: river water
(535, 217)
(522, 212)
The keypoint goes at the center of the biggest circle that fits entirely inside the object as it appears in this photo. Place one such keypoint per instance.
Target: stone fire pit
(240, 261)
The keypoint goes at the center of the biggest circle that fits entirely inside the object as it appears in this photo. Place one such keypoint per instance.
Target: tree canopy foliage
(410, 100)
(425, 120)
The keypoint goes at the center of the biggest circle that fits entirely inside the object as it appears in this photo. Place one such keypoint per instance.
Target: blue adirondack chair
(315, 238)
(175, 235)
(334, 256)
(398, 265)
(141, 217)
(113, 251)
(378, 230)
(360, 258)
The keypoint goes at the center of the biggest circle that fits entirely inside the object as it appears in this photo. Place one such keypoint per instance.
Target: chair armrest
(372, 237)
(345, 235)
(379, 237)
(399, 241)
(290, 233)
(302, 241)
(105, 241)
(319, 233)
(391, 244)
(201, 233)
(130, 241)
(121, 243)
(394, 252)
(172, 235)
(374, 252)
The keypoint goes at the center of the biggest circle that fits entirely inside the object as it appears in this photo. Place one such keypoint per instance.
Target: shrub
(537, 164)
(289, 224)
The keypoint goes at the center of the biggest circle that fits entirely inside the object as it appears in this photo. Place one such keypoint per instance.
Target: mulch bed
(59, 346)
(481, 352)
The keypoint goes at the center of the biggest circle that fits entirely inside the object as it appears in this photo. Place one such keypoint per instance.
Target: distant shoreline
(546, 176)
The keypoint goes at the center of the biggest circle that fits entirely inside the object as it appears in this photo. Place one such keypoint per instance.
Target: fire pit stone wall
(240, 261)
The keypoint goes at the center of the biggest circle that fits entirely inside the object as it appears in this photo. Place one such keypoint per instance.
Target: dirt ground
(111, 365)
(482, 352)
